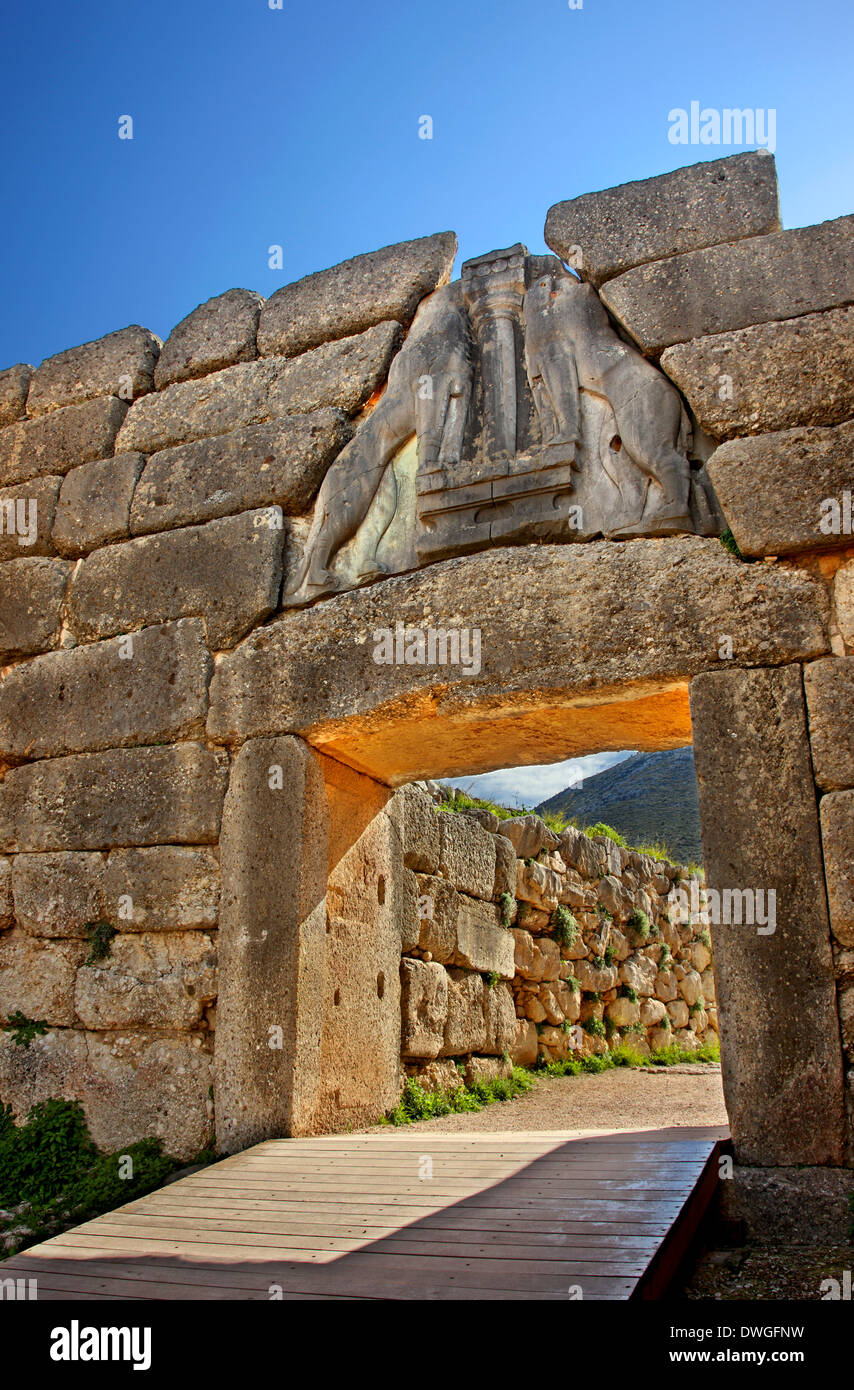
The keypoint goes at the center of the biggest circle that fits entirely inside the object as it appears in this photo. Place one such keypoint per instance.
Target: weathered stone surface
(482, 943)
(424, 1007)
(61, 440)
(14, 385)
(537, 885)
(776, 375)
(500, 1019)
(31, 597)
(275, 864)
(585, 618)
(595, 979)
(260, 465)
(837, 838)
(581, 853)
(784, 1088)
(217, 334)
(37, 979)
(129, 796)
(227, 572)
(757, 280)
(438, 911)
(602, 234)
(465, 1029)
(843, 602)
(121, 364)
(505, 870)
(148, 980)
(528, 835)
(26, 518)
(614, 897)
(7, 912)
(341, 375)
(523, 1050)
(355, 295)
(436, 1076)
(108, 694)
(466, 855)
(639, 972)
(420, 830)
(94, 504)
(479, 1069)
(167, 888)
(131, 1085)
(776, 490)
(829, 688)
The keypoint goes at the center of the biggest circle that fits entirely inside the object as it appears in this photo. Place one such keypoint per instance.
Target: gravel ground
(756, 1272)
(625, 1098)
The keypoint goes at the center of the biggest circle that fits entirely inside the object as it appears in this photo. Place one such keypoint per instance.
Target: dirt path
(657, 1097)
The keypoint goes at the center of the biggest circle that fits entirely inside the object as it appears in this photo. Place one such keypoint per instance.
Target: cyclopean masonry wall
(211, 555)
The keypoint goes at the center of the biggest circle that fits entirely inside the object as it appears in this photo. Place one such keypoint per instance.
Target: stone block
(679, 1013)
(59, 441)
(440, 905)
(757, 280)
(528, 835)
(217, 334)
(7, 910)
(622, 1012)
(165, 888)
(149, 688)
(723, 200)
(410, 911)
(505, 868)
(26, 518)
(843, 602)
(829, 690)
(14, 385)
(652, 1011)
(639, 972)
(275, 865)
(227, 572)
(783, 1087)
(420, 829)
(37, 977)
(579, 852)
(465, 1028)
(131, 1085)
(436, 1076)
(424, 1007)
(482, 943)
(280, 464)
(837, 837)
(148, 980)
(596, 979)
(538, 885)
(485, 1069)
(466, 855)
(355, 295)
(523, 953)
(341, 375)
(31, 598)
(691, 987)
(128, 796)
(614, 897)
(94, 504)
(121, 364)
(770, 377)
(779, 491)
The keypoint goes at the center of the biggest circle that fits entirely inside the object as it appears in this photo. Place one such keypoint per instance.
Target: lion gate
(388, 526)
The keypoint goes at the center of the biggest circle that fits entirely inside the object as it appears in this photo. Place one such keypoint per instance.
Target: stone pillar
(494, 286)
(274, 853)
(781, 1053)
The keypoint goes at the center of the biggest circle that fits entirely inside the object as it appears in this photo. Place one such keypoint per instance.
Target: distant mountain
(650, 798)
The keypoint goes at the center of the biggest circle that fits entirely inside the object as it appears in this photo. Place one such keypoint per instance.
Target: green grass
(418, 1104)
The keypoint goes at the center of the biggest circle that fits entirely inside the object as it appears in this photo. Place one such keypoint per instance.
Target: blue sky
(299, 127)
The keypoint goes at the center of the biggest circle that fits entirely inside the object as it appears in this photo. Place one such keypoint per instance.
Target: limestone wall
(525, 933)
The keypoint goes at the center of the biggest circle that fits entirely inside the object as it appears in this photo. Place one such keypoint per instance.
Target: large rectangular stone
(795, 372)
(279, 464)
(341, 375)
(423, 1007)
(14, 385)
(466, 855)
(784, 493)
(757, 280)
(162, 888)
(784, 1086)
(26, 518)
(603, 234)
(31, 597)
(837, 837)
(829, 688)
(355, 295)
(227, 572)
(37, 977)
(59, 441)
(148, 980)
(465, 1026)
(94, 504)
(482, 943)
(149, 687)
(120, 364)
(128, 796)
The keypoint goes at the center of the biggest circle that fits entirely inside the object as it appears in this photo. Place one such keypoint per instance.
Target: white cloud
(528, 786)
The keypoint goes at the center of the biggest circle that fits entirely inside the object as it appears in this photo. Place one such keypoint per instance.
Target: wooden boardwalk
(408, 1214)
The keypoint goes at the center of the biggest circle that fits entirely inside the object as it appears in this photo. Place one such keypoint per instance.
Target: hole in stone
(616, 443)
(336, 998)
(380, 985)
(381, 889)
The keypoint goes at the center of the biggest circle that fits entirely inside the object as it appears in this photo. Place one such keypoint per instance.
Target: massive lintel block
(603, 234)
(56, 442)
(775, 489)
(794, 372)
(125, 796)
(31, 597)
(149, 688)
(757, 280)
(217, 334)
(282, 463)
(121, 364)
(342, 375)
(355, 295)
(228, 572)
(784, 1087)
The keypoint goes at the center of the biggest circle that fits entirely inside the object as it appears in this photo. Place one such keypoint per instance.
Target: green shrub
(639, 923)
(99, 935)
(629, 992)
(573, 983)
(600, 828)
(24, 1029)
(417, 1104)
(565, 927)
(509, 908)
(706, 937)
(595, 1027)
(598, 962)
(727, 539)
